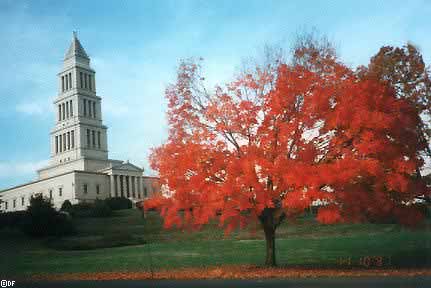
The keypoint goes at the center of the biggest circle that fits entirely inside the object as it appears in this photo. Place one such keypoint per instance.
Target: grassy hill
(129, 242)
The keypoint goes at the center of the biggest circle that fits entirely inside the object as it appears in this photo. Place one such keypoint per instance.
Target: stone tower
(79, 132)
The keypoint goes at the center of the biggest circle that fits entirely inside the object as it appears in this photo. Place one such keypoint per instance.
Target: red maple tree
(281, 138)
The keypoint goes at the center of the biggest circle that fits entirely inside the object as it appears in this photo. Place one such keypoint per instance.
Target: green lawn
(302, 243)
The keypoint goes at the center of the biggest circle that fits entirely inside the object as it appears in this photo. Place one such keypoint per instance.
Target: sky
(135, 48)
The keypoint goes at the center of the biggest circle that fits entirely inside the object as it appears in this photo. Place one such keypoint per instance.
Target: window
(68, 140)
(98, 189)
(59, 112)
(64, 142)
(71, 108)
(60, 143)
(5, 205)
(72, 136)
(85, 188)
(70, 80)
(50, 194)
(14, 203)
(67, 82)
(139, 194)
(62, 83)
(93, 136)
(98, 139)
(89, 108)
(89, 82)
(56, 144)
(81, 80)
(22, 201)
(88, 137)
(67, 109)
(60, 191)
(145, 192)
(94, 109)
(85, 107)
(64, 111)
(85, 81)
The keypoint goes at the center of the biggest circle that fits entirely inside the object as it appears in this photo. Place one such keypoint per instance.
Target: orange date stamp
(366, 261)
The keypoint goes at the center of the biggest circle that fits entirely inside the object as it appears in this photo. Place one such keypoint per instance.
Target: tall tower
(79, 132)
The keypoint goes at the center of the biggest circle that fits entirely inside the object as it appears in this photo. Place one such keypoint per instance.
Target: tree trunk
(270, 244)
(269, 224)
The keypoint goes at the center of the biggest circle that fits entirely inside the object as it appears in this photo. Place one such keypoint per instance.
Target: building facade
(79, 169)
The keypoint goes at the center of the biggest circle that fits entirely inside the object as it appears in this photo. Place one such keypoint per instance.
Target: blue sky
(135, 47)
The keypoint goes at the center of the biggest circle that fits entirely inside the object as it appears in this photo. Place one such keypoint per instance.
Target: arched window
(93, 134)
(72, 136)
(56, 144)
(88, 137)
(85, 107)
(64, 142)
(68, 140)
(89, 108)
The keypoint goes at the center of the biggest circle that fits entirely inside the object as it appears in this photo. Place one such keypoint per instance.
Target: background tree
(269, 144)
(41, 219)
(404, 70)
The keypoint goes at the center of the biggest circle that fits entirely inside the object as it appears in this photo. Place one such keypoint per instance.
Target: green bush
(101, 209)
(66, 206)
(119, 203)
(12, 219)
(41, 219)
(82, 209)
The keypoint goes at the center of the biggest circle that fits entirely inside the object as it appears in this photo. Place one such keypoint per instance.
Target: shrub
(41, 219)
(118, 203)
(101, 209)
(82, 209)
(12, 219)
(423, 208)
(66, 206)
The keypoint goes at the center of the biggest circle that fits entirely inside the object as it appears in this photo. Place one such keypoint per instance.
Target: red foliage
(281, 139)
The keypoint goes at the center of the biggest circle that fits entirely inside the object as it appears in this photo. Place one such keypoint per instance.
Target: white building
(79, 168)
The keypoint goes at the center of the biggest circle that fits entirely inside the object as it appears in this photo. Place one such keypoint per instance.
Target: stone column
(123, 194)
(117, 192)
(129, 186)
(135, 186)
(138, 186)
(111, 186)
(141, 186)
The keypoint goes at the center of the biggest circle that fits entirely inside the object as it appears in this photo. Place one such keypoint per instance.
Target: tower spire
(76, 49)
